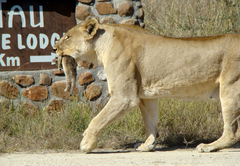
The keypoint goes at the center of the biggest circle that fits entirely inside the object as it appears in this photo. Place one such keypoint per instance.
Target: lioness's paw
(205, 148)
(88, 143)
(148, 145)
(145, 148)
(86, 148)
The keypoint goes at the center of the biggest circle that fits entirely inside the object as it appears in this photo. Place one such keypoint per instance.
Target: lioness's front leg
(116, 108)
(149, 110)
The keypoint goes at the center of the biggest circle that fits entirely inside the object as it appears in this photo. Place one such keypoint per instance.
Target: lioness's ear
(89, 29)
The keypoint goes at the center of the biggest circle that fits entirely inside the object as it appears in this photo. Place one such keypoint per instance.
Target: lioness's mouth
(59, 53)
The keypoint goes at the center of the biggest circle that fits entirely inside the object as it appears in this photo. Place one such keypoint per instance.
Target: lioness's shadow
(130, 150)
(130, 147)
(111, 151)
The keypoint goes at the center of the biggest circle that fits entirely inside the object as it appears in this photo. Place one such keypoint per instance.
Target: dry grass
(180, 123)
(40, 131)
(192, 18)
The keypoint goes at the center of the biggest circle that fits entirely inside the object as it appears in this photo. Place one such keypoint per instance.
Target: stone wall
(45, 88)
(111, 11)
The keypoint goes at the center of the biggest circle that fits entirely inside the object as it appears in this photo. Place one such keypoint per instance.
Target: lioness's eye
(67, 37)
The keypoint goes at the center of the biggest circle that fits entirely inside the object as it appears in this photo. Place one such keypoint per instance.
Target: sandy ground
(101, 157)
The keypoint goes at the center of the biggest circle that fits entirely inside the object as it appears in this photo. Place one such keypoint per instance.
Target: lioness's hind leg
(149, 110)
(230, 101)
(68, 84)
(59, 63)
(73, 81)
(64, 62)
(74, 75)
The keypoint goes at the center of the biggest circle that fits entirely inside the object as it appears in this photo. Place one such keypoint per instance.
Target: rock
(138, 4)
(142, 25)
(29, 109)
(102, 75)
(125, 9)
(36, 93)
(141, 14)
(57, 88)
(85, 78)
(92, 92)
(85, 64)
(24, 80)
(82, 12)
(104, 8)
(5, 103)
(45, 79)
(59, 73)
(85, 1)
(130, 22)
(56, 106)
(8, 90)
(103, 0)
(107, 20)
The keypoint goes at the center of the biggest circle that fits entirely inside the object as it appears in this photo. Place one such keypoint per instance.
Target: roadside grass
(180, 123)
(189, 123)
(43, 130)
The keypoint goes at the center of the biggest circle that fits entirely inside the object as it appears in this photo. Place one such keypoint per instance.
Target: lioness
(68, 64)
(142, 67)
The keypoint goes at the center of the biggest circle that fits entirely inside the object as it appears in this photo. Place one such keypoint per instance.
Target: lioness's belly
(203, 91)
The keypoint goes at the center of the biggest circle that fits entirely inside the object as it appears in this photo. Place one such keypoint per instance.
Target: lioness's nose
(54, 49)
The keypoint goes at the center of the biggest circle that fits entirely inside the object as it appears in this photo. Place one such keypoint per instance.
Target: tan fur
(142, 67)
(68, 64)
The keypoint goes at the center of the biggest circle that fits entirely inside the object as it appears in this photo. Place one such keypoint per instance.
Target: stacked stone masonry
(111, 11)
(45, 89)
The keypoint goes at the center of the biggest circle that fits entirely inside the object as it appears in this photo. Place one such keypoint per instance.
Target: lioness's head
(76, 42)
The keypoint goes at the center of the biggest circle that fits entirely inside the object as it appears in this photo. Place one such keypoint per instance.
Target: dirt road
(101, 157)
